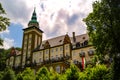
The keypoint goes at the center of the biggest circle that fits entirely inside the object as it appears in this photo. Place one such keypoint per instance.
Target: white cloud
(5, 31)
(67, 16)
(7, 43)
(56, 17)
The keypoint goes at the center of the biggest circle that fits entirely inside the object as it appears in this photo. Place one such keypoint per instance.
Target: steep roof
(80, 38)
(53, 42)
(60, 40)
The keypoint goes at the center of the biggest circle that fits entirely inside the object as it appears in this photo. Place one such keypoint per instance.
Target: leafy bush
(99, 72)
(72, 73)
(8, 74)
(27, 74)
(43, 74)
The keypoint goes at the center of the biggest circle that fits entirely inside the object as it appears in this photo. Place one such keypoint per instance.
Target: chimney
(74, 39)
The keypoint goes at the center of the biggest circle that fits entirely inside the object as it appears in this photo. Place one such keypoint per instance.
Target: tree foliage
(103, 26)
(4, 21)
(72, 73)
(43, 74)
(27, 74)
(98, 72)
(8, 74)
(3, 55)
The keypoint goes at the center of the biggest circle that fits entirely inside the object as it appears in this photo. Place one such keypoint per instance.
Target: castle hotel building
(56, 53)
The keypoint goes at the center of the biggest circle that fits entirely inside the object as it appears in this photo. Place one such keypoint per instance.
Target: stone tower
(32, 37)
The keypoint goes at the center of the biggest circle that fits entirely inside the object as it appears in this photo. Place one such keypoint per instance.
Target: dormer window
(85, 42)
(83, 37)
(74, 46)
(60, 41)
(82, 44)
(82, 54)
(78, 45)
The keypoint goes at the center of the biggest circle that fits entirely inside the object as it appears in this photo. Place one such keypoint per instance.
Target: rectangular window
(24, 52)
(56, 49)
(57, 57)
(40, 53)
(51, 57)
(67, 54)
(52, 50)
(74, 54)
(47, 51)
(46, 58)
(61, 48)
(66, 47)
(61, 55)
(40, 60)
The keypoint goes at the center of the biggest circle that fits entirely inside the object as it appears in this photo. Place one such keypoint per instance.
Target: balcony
(57, 59)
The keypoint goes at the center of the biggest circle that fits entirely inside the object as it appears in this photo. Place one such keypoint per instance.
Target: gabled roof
(14, 52)
(53, 42)
(60, 40)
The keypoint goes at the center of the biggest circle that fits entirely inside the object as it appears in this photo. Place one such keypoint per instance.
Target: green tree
(27, 74)
(1, 75)
(98, 72)
(54, 75)
(103, 26)
(72, 73)
(19, 76)
(43, 74)
(4, 21)
(9, 74)
(3, 55)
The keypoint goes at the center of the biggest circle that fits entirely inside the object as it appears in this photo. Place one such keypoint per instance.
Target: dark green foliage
(99, 72)
(3, 55)
(8, 74)
(4, 21)
(19, 76)
(43, 74)
(115, 71)
(1, 75)
(27, 74)
(17, 48)
(103, 25)
(72, 73)
(54, 75)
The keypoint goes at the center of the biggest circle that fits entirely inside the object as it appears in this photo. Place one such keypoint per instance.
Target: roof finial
(33, 20)
(67, 33)
(34, 9)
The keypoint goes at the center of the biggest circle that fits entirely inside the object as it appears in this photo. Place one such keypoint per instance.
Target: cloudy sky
(56, 18)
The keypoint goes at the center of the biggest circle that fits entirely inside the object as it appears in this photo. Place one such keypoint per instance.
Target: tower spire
(33, 21)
